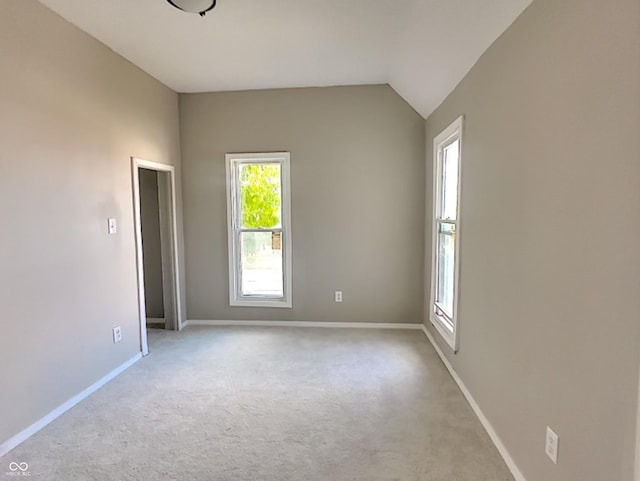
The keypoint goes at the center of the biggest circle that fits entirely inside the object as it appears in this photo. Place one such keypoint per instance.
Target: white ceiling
(422, 48)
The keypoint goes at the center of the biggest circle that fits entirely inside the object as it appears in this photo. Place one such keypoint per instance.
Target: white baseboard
(328, 324)
(22, 436)
(517, 474)
(155, 320)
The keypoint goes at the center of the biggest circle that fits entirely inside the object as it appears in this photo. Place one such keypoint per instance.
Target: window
(259, 228)
(446, 232)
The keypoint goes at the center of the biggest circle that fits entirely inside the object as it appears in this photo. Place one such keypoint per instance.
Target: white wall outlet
(117, 334)
(338, 296)
(551, 445)
(112, 226)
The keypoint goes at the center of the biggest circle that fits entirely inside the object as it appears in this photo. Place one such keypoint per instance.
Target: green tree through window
(260, 195)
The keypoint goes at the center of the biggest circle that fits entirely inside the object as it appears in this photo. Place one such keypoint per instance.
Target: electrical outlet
(551, 445)
(117, 334)
(338, 296)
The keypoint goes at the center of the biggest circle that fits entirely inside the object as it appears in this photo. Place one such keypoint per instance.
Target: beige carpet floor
(272, 404)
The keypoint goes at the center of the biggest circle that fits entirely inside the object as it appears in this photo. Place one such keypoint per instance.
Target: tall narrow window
(259, 228)
(446, 228)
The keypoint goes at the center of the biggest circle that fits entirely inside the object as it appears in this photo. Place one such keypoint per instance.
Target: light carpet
(271, 404)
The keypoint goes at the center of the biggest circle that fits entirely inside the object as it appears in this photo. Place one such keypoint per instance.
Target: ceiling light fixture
(201, 7)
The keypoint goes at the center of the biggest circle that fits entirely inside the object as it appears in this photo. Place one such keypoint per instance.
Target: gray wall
(357, 181)
(73, 112)
(151, 246)
(549, 331)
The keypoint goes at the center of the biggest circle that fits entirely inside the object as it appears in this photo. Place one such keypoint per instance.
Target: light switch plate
(112, 226)
(551, 445)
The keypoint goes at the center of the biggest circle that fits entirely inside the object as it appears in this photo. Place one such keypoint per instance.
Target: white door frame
(137, 164)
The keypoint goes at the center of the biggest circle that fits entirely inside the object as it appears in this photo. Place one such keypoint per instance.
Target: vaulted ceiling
(422, 48)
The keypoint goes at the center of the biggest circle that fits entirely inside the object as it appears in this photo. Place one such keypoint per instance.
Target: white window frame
(233, 229)
(447, 327)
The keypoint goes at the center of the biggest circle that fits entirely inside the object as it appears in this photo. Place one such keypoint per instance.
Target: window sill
(278, 303)
(447, 334)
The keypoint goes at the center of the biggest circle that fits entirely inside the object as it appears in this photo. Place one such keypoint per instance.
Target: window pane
(261, 264)
(260, 196)
(450, 156)
(446, 239)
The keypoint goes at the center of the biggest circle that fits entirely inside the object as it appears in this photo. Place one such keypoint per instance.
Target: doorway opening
(154, 206)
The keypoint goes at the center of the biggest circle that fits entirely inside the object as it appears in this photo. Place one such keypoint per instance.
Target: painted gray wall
(549, 331)
(150, 226)
(357, 181)
(73, 112)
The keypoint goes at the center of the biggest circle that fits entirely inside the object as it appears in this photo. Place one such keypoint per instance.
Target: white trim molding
(22, 436)
(326, 324)
(234, 229)
(446, 323)
(515, 471)
(136, 165)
